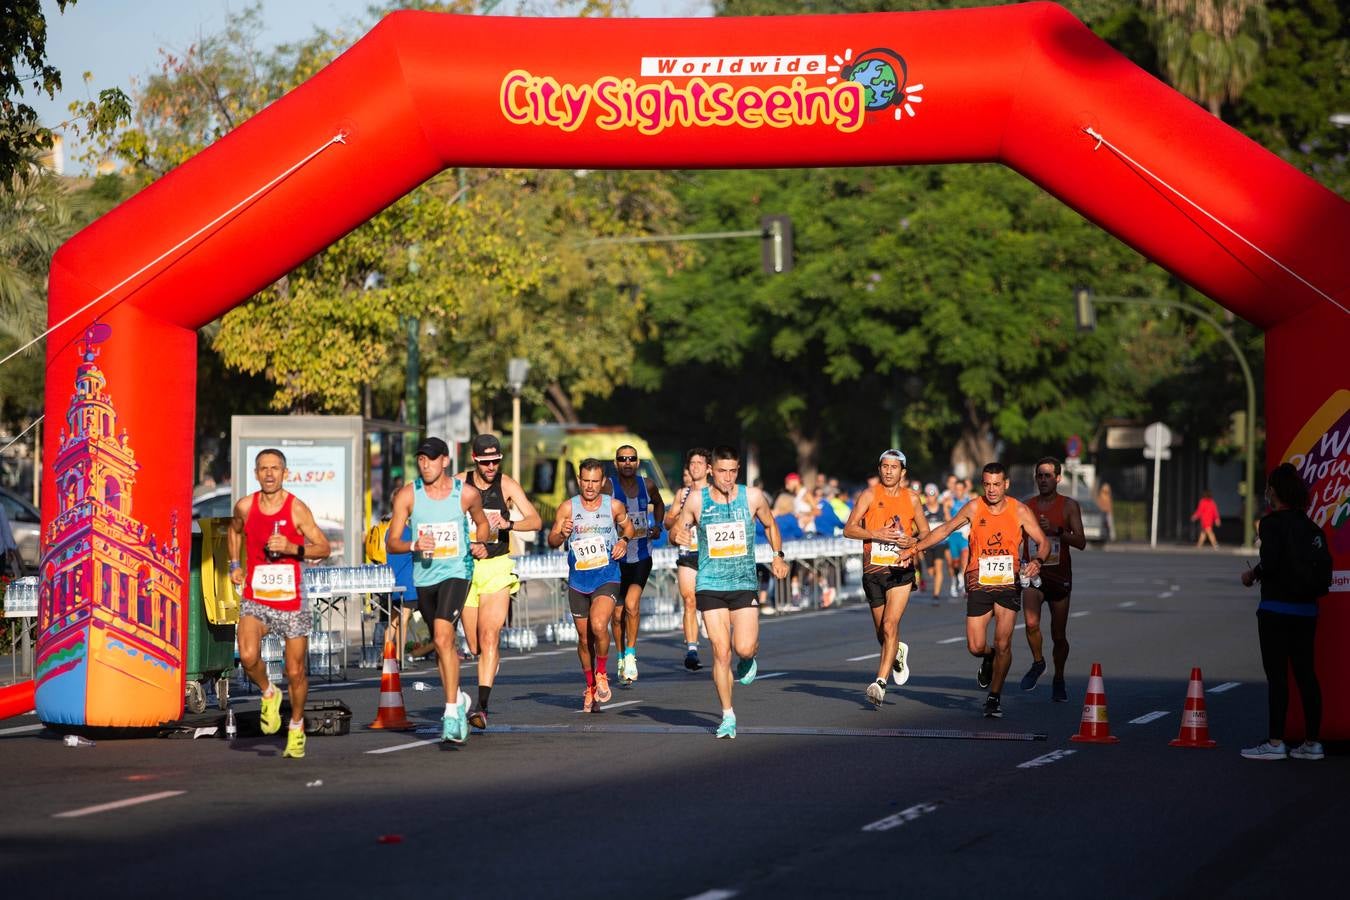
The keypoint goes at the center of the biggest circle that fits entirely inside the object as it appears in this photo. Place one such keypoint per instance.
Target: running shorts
(580, 604)
(981, 603)
(634, 573)
(732, 600)
(497, 573)
(289, 625)
(876, 584)
(687, 561)
(443, 600)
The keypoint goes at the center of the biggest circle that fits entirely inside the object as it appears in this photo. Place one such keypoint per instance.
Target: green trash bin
(210, 648)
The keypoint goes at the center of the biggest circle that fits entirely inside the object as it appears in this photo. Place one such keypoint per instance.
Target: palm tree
(1210, 50)
(37, 214)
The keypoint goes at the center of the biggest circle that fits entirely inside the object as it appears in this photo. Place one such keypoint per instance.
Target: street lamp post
(1084, 299)
(517, 370)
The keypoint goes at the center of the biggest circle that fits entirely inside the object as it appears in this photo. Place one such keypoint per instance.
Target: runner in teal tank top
(727, 587)
(438, 507)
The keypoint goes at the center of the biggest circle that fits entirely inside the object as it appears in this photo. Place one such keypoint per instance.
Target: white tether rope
(1092, 132)
(30, 427)
(339, 138)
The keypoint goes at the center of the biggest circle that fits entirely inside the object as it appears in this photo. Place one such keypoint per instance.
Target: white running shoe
(1266, 750)
(900, 669)
(876, 692)
(1308, 750)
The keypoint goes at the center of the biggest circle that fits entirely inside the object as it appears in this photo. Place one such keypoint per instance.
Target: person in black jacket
(1286, 619)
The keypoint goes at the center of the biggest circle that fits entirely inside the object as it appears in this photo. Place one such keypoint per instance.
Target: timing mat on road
(606, 728)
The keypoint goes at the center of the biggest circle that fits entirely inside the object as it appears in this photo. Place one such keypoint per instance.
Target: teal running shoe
(728, 728)
(745, 672)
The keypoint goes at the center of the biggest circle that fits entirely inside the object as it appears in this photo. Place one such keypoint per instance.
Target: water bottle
(270, 553)
(231, 729)
(74, 740)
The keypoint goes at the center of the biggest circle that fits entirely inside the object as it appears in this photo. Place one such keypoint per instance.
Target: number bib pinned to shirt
(273, 583)
(885, 554)
(640, 526)
(446, 536)
(996, 571)
(591, 551)
(727, 539)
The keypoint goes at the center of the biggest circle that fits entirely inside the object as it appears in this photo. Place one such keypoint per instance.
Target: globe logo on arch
(883, 75)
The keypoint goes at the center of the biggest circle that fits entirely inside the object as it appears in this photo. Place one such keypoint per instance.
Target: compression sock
(600, 663)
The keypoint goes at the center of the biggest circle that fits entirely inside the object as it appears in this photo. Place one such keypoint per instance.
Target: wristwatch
(779, 554)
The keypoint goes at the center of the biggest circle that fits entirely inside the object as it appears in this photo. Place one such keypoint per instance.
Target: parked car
(1094, 521)
(26, 523)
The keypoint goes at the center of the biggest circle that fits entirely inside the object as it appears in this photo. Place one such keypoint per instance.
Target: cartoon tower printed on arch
(109, 603)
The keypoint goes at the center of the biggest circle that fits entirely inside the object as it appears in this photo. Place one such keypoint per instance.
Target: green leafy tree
(23, 63)
(1210, 50)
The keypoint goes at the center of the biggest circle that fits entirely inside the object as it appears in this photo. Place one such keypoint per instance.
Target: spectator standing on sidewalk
(1207, 514)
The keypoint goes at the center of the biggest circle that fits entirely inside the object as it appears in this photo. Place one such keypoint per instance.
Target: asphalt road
(820, 795)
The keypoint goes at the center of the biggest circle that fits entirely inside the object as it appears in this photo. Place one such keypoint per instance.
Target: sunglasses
(625, 459)
(487, 462)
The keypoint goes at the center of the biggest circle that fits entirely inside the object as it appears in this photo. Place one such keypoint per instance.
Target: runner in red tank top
(275, 530)
(998, 524)
(1062, 521)
(886, 519)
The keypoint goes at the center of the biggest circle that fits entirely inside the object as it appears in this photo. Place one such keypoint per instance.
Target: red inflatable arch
(1027, 86)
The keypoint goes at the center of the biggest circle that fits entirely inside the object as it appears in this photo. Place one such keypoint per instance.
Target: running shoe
(478, 719)
(986, 673)
(745, 671)
(602, 691)
(936, 601)
(876, 692)
(993, 707)
(728, 728)
(1308, 750)
(691, 661)
(1266, 750)
(454, 729)
(295, 744)
(1033, 675)
(1058, 692)
(630, 667)
(271, 713)
(765, 610)
(951, 592)
(900, 668)
(588, 700)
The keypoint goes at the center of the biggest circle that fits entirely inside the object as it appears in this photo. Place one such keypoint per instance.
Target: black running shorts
(876, 584)
(733, 600)
(443, 600)
(981, 603)
(580, 604)
(634, 573)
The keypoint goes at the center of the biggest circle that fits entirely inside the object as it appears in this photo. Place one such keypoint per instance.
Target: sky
(119, 41)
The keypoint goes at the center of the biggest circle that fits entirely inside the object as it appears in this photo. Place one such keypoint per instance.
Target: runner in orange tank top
(998, 524)
(1062, 521)
(886, 519)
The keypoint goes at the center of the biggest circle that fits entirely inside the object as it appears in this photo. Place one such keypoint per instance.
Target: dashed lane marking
(953, 640)
(22, 729)
(1149, 717)
(1127, 604)
(876, 655)
(776, 674)
(116, 804)
(1226, 686)
(1047, 759)
(903, 817)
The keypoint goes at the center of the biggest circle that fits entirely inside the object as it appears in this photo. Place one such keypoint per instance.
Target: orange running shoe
(602, 691)
(587, 700)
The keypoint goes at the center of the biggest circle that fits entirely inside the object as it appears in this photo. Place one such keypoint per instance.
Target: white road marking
(1165, 594)
(1127, 604)
(1019, 625)
(1149, 717)
(1047, 759)
(116, 804)
(1079, 614)
(876, 655)
(397, 747)
(1226, 686)
(953, 640)
(22, 729)
(777, 674)
(615, 705)
(714, 894)
(900, 818)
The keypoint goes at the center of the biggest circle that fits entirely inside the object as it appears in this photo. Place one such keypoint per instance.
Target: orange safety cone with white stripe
(1194, 719)
(391, 716)
(1095, 728)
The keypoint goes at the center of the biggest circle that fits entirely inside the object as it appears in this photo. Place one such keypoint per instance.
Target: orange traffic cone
(391, 716)
(1094, 728)
(1194, 720)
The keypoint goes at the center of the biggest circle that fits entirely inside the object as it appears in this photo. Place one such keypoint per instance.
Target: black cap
(486, 447)
(433, 448)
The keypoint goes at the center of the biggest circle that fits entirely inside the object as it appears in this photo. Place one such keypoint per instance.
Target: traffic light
(775, 244)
